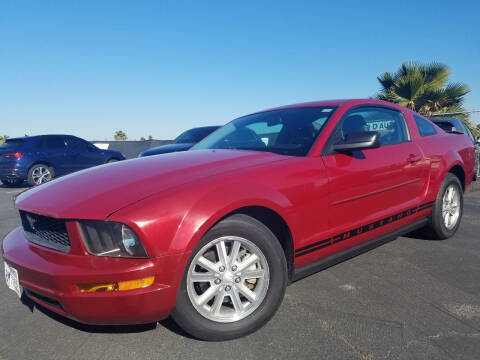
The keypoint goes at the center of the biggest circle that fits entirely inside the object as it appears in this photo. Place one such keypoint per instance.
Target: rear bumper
(50, 277)
(13, 174)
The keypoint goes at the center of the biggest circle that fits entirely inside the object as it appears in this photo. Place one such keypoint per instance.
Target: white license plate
(11, 277)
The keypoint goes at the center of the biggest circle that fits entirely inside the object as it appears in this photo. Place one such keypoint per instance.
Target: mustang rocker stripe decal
(360, 230)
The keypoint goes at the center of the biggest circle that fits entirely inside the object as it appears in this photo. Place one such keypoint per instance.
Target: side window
(75, 143)
(424, 127)
(389, 123)
(53, 142)
(72, 142)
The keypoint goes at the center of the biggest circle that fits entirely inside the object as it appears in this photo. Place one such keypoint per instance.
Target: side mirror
(91, 147)
(359, 141)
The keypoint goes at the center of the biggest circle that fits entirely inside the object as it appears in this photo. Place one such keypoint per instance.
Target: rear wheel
(39, 174)
(234, 281)
(12, 182)
(444, 220)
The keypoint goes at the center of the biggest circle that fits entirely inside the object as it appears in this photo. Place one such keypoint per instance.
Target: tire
(220, 320)
(11, 183)
(39, 174)
(476, 169)
(437, 223)
(112, 161)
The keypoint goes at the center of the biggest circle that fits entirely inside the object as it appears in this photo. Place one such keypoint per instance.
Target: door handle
(413, 158)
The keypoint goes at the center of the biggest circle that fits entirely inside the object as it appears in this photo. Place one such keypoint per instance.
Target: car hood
(97, 192)
(166, 149)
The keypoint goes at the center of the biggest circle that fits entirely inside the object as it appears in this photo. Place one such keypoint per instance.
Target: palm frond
(409, 87)
(386, 81)
(422, 87)
(435, 74)
(457, 90)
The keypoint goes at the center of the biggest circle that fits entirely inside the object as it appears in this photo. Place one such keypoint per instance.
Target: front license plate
(11, 277)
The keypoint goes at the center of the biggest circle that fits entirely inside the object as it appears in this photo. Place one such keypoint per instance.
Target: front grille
(45, 231)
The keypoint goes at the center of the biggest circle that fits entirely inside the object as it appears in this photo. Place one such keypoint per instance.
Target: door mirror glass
(359, 140)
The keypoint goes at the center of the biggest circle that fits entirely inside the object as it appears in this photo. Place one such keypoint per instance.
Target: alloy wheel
(41, 174)
(451, 207)
(228, 279)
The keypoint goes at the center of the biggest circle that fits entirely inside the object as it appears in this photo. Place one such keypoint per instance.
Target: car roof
(206, 127)
(446, 119)
(37, 136)
(337, 102)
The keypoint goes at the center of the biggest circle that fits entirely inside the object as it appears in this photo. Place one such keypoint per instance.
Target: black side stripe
(360, 230)
(426, 205)
(314, 245)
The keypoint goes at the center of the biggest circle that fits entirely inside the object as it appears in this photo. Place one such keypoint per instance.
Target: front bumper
(50, 277)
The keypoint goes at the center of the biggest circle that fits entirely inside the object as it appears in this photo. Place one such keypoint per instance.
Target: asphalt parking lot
(409, 299)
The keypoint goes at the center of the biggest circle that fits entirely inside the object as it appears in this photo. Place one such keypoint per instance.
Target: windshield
(194, 135)
(287, 131)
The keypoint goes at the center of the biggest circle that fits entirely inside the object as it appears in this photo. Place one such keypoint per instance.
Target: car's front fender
(174, 223)
(223, 200)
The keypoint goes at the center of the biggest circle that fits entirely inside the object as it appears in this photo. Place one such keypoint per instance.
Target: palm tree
(120, 135)
(3, 138)
(423, 88)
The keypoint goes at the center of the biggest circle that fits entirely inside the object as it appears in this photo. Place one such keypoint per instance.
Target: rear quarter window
(424, 127)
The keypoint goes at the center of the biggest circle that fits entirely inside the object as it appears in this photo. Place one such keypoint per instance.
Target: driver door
(374, 183)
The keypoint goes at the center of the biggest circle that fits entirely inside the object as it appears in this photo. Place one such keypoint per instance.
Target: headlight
(104, 238)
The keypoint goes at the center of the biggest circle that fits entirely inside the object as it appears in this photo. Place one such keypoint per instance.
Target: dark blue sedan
(39, 159)
(183, 142)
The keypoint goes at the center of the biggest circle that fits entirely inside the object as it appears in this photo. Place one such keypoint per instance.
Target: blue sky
(159, 67)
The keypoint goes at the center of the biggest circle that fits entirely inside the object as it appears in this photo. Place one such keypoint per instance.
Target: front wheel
(444, 220)
(234, 282)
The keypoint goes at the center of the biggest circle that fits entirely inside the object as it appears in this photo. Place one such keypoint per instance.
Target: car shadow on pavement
(421, 234)
(171, 325)
(3, 186)
(168, 323)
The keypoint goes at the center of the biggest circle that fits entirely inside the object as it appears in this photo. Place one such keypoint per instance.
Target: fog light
(117, 285)
(98, 287)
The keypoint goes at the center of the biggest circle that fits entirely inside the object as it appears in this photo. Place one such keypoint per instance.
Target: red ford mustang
(212, 236)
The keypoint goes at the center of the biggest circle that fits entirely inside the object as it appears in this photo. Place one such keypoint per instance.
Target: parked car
(212, 236)
(183, 142)
(39, 159)
(455, 124)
